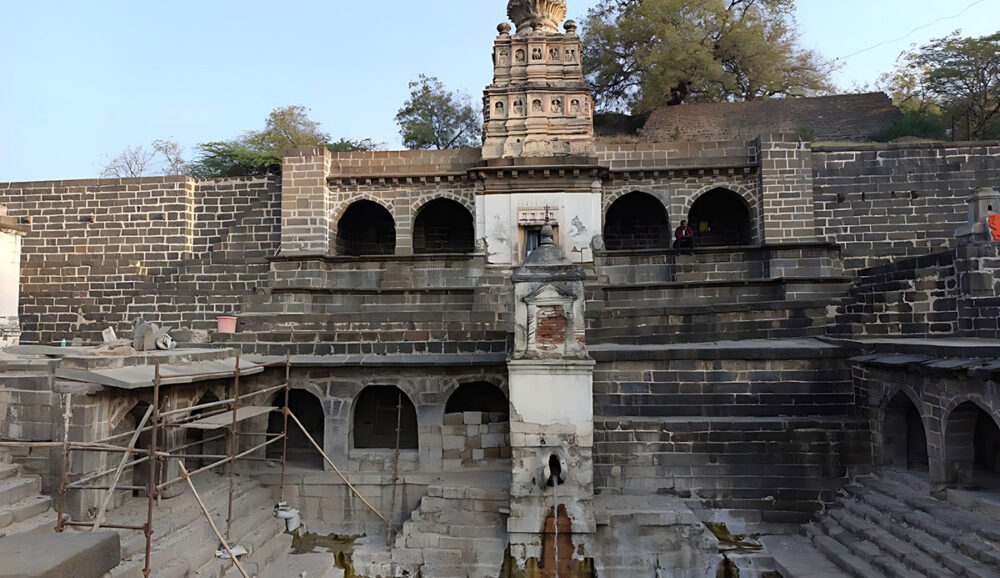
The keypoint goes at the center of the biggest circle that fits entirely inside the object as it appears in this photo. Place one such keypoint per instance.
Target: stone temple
(508, 367)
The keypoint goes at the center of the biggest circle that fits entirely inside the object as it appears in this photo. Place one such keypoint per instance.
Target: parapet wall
(95, 246)
(886, 202)
(845, 117)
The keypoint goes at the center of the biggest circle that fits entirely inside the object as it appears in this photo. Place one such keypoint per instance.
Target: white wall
(578, 216)
(10, 275)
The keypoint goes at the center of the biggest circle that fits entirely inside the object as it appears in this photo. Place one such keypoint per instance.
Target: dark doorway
(443, 226)
(972, 448)
(375, 419)
(721, 218)
(904, 441)
(479, 396)
(308, 408)
(366, 228)
(136, 475)
(636, 221)
(194, 439)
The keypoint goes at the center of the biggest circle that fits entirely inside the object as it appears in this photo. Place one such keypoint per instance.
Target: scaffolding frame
(154, 421)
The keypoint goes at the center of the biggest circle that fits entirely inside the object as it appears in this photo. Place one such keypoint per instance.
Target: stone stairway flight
(23, 508)
(889, 526)
(458, 531)
(184, 545)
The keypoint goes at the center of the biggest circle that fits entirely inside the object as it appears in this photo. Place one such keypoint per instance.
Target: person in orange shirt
(995, 227)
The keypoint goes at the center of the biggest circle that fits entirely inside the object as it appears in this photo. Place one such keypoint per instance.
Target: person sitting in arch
(684, 237)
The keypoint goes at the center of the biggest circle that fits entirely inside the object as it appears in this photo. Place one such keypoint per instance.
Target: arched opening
(443, 226)
(720, 218)
(366, 228)
(972, 448)
(904, 440)
(308, 408)
(480, 396)
(377, 412)
(636, 221)
(194, 439)
(137, 475)
(478, 414)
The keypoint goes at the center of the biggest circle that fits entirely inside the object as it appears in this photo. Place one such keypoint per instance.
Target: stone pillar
(305, 203)
(10, 278)
(786, 190)
(551, 423)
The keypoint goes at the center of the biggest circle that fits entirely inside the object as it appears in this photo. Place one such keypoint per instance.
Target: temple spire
(536, 15)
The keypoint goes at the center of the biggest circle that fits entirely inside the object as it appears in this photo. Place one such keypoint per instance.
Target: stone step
(14, 490)
(965, 533)
(8, 471)
(843, 558)
(24, 511)
(796, 557)
(314, 565)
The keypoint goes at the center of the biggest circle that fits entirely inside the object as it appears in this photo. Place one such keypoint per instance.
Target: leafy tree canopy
(950, 86)
(436, 118)
(259, 153)
(640, 54)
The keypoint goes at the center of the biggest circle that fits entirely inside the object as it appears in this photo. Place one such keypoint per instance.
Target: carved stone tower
(539, 104)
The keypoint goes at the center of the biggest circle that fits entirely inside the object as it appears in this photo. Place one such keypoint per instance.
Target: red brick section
(551, 328)
(850, 117)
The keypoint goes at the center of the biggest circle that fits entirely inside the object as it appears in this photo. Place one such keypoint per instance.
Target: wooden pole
(204, 510)
(284, 427)
(335, 469)
(151, 482)
(121, 468)
(67, 400)
(395, 470)
(233, 445)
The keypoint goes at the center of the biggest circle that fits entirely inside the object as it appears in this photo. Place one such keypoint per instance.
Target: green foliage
(436, 118)
(640, 54)
(950, 82)
(259, 153)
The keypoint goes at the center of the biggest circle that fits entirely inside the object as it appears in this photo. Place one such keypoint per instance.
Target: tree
(640, 54)
(962, 76)
(435, 118)
(138, 161)
(258, 153)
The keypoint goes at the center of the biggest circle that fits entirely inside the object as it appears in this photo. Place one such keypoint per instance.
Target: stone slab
(795, 557)
(139, 377)
(88, 555)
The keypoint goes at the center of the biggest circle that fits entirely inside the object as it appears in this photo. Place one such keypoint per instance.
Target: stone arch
(479, 396)
(449, 387)
(904, 434)
(443, 226)
(972, 445)
(308, 407)
(375, 419)
(721, 216)
(127, 423)
(366, 228)
(636, 221)
(466, 201)
(610, 197)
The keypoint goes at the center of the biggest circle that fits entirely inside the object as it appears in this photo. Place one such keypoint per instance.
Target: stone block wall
(851, 117)
(475, 437)
(786, 189)
(766, 440)
(886, 202)
(95, 246)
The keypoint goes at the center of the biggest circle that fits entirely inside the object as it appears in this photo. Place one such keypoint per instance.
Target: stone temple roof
(536, 15)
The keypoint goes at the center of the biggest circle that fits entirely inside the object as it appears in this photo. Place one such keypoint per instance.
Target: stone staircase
(458, 531)
(184, 545)
(889, 526)
(23, 508)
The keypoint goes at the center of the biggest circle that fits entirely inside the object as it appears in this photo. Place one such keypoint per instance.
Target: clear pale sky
(80, 81)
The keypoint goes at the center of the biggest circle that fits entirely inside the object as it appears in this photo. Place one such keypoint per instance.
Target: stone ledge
(751, 349)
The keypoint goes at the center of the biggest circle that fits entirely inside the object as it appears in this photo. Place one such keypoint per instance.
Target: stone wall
(99, 247)
(886, 202)
(851, 117)
(764, 440)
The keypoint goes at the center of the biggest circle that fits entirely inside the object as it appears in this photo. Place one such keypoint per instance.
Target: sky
(81, 81)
